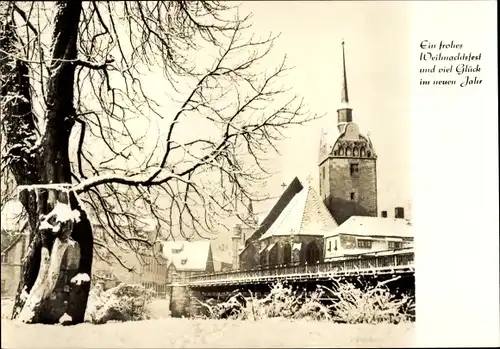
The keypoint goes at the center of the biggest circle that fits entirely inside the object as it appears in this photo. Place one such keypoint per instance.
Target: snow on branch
(135, 180)
(79, 278)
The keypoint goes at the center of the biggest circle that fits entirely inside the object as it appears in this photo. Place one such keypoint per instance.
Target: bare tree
(79, 122)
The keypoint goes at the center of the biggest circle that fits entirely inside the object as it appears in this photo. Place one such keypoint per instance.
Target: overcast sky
(378, 71)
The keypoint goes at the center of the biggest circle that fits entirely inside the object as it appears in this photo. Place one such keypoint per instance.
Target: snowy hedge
(121, 303)
(281, 301)
(346, 304)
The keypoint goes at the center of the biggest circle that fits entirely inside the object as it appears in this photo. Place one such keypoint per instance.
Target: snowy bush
(372, 305)
(121, 303)
(348, 304)
(281, 301)
(312, 308)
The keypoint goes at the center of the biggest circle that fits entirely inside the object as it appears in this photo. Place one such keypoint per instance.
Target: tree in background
(79, 122)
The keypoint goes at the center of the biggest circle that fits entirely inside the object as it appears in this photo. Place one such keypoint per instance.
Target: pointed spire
(344, 94)
(345, 112)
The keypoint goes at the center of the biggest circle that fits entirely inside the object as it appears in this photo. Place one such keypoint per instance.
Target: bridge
(374, 265)
(393, 262)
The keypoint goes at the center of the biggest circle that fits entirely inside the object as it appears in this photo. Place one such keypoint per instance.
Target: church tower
(347, 165)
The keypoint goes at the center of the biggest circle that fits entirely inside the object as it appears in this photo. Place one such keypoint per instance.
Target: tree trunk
(54, 288)
(60, 232)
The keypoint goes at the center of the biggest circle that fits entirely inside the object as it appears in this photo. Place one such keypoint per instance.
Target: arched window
(369, 154)
(312, 253)
(348, 151)
(355, 151)
(287, 254)
(263, 257)
(273, 255)
(341, 151)
(363, 152)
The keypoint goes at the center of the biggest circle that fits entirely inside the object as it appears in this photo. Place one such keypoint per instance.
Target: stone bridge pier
(185, 301)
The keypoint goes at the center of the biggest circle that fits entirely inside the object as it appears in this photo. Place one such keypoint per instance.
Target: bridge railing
(386, 259)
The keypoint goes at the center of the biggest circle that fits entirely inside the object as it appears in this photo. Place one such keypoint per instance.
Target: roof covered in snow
(375, 226)
(187, 255)
(282, 202)
(305, 214)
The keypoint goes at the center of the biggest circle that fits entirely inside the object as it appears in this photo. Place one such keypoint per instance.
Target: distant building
(14, 245)
(154, 272)
(241, 232)
(185, 259)
(360, 235)
(149, 269)
(12, 256)
(173, 262)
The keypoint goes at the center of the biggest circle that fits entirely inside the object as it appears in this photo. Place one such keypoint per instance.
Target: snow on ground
(187, 333)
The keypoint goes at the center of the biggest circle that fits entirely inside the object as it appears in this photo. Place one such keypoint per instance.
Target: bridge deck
(387, 262)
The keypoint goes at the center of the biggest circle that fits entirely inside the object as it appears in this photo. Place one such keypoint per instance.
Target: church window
(363, 152)
(341, 151)
(353, 196)
(354, 169)
(355, 152)
(348, 152)
(368, 154)
(364, 244)
(335, 153)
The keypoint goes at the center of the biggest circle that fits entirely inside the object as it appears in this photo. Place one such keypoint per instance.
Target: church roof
(187, 255)
(293, 188)
(305, 214)
(375, 227)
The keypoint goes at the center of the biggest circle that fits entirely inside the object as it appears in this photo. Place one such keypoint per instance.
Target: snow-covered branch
(134, 180)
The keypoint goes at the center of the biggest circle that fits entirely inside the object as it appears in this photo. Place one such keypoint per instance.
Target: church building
(303, 224)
